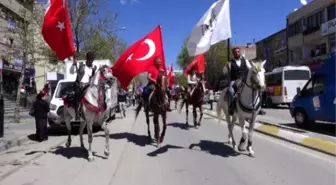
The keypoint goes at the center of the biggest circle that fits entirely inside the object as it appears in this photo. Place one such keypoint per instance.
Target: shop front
(11, 75)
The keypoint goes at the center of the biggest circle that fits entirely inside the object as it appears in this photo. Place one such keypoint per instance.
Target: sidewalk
(16, 133)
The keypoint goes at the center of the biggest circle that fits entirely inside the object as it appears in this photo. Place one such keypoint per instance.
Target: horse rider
(84, 73)
(193, 80)
(238, 68)
(153, 74)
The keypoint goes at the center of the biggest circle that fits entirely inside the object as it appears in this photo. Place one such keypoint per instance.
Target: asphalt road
(187, 156)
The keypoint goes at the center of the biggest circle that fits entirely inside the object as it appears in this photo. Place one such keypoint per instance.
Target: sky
(250, 19)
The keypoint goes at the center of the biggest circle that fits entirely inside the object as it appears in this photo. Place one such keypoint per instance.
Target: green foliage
(180, 79)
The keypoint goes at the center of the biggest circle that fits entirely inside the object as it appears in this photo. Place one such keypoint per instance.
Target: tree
(181, 80)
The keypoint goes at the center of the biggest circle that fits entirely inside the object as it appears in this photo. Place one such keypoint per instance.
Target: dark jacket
(41, 109)
(122, 97)
(237, 72)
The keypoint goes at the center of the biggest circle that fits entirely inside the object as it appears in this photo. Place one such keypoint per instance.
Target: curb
(292, 136)
(13, 143)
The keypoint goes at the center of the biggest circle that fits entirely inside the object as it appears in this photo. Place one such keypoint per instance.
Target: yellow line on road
(326, 146)
(269, 129)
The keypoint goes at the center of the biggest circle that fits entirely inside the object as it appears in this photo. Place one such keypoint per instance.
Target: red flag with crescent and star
(198, 63)
(170, 75)
(56, 29)
(139, 57)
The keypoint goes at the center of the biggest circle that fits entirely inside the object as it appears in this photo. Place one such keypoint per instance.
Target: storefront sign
(328, 27)
(12, 67)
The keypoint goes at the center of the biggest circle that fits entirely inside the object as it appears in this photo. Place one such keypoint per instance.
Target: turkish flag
(56, 29)
(198, 63)
(139, 57)
(170, 75)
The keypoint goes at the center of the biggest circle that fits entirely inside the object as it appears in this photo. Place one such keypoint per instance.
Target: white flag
(212, 28)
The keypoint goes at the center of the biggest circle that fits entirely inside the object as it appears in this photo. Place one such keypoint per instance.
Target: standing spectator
(122, 98)
(211, 99)
(41, 109)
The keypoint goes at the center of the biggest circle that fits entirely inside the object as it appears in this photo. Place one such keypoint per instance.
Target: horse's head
(106, 75)
(256, 76)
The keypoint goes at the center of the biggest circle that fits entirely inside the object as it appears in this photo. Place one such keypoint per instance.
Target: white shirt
(87, 74)
(192, 77)
(238, 62)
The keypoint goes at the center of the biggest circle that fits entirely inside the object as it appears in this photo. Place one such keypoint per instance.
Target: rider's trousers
(231, 91)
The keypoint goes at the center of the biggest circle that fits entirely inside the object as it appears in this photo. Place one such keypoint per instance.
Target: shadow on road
(71, 152)
(215, 148)
(163, 150)
(182, 126)
(140, 140)
(326, 129)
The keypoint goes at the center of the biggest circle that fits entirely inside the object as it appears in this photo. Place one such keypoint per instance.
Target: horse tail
(219, 112)
(137, 110)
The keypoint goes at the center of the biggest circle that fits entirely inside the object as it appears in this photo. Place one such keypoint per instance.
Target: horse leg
(67, 120)
(148, 125)
(107, 135)
(231, 120)
(187, 113)
(90, 138)
(201, 115)
(195, 116)
(250, 135)
(243, 138)
(81, 130)
(156, 128)
(164, 117)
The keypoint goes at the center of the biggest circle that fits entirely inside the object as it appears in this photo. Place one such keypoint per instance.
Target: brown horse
(155, 104)
(196, 100)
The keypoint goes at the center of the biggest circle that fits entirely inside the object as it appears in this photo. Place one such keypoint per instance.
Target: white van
(282, 82)
(56, 102)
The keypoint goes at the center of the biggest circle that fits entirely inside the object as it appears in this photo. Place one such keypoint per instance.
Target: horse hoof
(90, 158)
(241, 149)
(251, 154)
(234, 148)
(196, 126)
(106, 153)
(68, 144)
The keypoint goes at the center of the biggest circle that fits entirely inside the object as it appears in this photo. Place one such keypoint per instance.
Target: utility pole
(2, 111)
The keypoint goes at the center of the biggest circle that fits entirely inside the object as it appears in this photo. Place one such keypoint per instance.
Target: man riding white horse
(237, 69)
(153, 74)
(84, 73)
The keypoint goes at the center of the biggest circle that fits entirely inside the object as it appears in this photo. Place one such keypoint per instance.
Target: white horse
(93, 109)
(247, 105)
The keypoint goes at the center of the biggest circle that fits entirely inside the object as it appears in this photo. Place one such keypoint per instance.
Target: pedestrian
(41, 109)
(211, 99)
(122, 98)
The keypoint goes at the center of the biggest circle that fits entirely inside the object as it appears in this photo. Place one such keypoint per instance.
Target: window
(63, 88)
(331, 12)
(297, 75)
(332, 44)
(295, 28)
(315, 86)
(321, 49)
(274, 79)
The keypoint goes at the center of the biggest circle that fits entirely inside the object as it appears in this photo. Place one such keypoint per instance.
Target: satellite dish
(303, 2)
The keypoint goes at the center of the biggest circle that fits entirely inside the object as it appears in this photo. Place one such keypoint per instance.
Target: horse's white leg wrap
(243, 138)
(250, 135)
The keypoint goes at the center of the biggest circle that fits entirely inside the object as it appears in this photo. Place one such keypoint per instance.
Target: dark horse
(196, 100)
(176, 96)
(155, 104)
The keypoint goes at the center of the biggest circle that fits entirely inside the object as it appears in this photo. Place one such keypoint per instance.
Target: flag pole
(228, 49)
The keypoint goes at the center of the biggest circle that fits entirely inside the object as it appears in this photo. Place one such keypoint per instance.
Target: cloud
(123, 2)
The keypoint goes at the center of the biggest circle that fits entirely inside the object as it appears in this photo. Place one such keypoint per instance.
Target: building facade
(12, 15)
(273, 49)
(311, 33)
